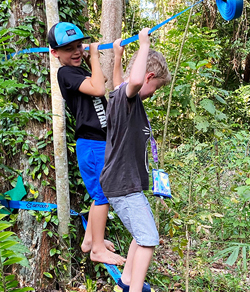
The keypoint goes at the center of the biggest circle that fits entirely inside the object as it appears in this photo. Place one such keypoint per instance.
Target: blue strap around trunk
(38, 206)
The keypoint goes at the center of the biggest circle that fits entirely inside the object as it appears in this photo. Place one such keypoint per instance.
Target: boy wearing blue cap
(125, 172)
(84, 95)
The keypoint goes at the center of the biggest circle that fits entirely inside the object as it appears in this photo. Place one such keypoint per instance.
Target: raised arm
(95, 85)
(138, 70)
(118, 71)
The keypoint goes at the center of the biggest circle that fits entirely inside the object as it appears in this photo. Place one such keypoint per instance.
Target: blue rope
(229, 9)
(38, 206)
(28, 51)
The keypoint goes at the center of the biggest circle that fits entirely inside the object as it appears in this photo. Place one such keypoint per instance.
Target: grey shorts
(136, 215)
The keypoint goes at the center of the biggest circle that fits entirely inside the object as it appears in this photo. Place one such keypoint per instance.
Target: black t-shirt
(126, 162)
(89, 111)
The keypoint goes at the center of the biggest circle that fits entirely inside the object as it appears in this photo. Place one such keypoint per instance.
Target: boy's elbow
(100, 91)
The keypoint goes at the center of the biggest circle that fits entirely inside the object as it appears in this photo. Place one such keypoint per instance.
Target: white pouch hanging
(161, 185)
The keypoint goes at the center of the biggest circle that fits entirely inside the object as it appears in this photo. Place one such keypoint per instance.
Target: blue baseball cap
(64, 33)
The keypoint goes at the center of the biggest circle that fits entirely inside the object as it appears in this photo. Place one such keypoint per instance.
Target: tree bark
(28, 229)
(111, 27)
(60, 145)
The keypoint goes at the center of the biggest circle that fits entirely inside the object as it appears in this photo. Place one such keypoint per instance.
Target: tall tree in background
(111, 27)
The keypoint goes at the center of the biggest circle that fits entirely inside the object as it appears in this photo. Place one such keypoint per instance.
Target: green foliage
(217, 213)
(219, 282)
(90, 285)
(72, 11)
(11, 252)
(4, 12)
(234, 250)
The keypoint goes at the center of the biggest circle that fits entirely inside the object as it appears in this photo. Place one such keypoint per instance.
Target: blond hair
(155, 63)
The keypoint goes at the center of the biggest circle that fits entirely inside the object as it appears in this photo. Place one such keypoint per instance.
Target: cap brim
(65, 44)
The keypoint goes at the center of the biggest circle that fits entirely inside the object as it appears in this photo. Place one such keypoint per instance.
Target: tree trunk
(28, 229)
(111, 27)
(60, 146)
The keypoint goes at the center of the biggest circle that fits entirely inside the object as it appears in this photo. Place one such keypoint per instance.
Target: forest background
(204, 228)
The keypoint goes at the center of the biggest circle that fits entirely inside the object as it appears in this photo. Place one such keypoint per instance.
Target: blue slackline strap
(28, 51)
(38, 206)
(230, 9)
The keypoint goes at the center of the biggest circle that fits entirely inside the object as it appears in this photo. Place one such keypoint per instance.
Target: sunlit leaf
(233, 257)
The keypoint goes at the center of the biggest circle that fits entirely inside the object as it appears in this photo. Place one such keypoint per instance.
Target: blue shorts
(90, 156)
(136, 215)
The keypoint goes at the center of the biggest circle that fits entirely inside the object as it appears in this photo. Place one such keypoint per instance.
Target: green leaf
(177, 221)
(4, 225)
(201, 123)
(222, 253)
(244, 192)
(2, 215)
(233, 257)
(220, 99)
(208, 105)
(12, 284)
(220, 115)
(20, 32)
(9, 278)
(46, 171)
(36, 42)
(12, 261)
(43, 158)
(30, 160)
(8, 253)
(192, 105)
(202, 63)
(191, 65)
(5, 234)
(48, 275)
(52, 252)
(8, 244)
(23, 289)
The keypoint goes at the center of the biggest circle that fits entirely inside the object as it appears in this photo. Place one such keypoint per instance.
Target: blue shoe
(146, 287)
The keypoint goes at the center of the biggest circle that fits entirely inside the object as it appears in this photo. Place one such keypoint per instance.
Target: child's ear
(149, 76)
(54, 53)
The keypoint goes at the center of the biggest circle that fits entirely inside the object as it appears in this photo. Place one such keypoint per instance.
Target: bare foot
(107, 257)
(86, 246)
(109, 245)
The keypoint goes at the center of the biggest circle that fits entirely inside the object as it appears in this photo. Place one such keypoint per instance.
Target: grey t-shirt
(126, 162)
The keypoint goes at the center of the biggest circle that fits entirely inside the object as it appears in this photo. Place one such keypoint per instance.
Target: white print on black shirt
(100, 111)
(146, 132)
